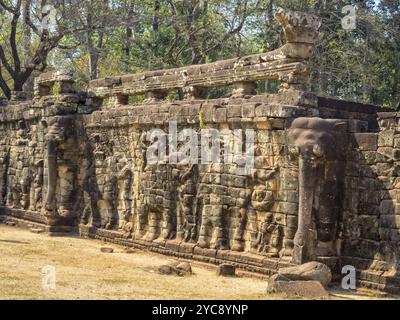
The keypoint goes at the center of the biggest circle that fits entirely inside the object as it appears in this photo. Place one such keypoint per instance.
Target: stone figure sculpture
(37, 186)
(156, 217)
(213, 219)
(110, 194)
(61, 151)
(125, 198)
(185, 211)
(261, 221)
(4, 176)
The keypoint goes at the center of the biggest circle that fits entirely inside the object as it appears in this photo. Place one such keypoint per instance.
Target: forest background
(357, 57)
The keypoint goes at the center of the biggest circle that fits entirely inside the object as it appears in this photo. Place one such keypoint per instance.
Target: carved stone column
(302, 33)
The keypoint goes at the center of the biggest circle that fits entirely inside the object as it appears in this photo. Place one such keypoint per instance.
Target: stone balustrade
(287, 64)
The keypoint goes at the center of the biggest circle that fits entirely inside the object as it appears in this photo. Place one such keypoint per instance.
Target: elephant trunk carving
(52, 173)
(312, 141)
(307, 182)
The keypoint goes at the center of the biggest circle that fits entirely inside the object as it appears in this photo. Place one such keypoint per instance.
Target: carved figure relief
(213, 231)
(110, 194)
(125, 185)
(61, 151)
(186, 206)
(266, 232)
(36, 203)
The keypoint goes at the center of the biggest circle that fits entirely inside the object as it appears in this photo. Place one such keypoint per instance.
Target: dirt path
(83, 272)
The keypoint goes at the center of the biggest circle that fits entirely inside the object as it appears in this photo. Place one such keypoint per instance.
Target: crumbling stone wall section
(323, 186)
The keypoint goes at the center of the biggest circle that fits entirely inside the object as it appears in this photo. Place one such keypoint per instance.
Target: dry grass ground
(83, 272)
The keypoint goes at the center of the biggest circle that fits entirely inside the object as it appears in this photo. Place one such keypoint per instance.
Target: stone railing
(287, 64)
(60, 80)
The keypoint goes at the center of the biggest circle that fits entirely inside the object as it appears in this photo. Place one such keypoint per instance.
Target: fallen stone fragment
(309, 271)
(129, 250)
(166, 269)
(304, 289)
(226, 270)
(176, 268)
(185, 267)
(170, 270)
(106, 249)
(36, 230)
(276, 277)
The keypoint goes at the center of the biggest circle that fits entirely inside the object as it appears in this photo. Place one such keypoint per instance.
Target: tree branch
(5, 63)
(4, 87)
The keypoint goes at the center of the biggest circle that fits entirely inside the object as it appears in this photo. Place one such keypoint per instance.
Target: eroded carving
(313, 141)
(61, 153)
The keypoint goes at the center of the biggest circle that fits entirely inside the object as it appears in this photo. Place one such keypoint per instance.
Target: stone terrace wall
(115, 195)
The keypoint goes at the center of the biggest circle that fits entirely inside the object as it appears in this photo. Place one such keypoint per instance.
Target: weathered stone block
(304, 289)
(315, 271)
(390, 221)
(220, 115)
(226, 270)
(386, 138)
(357, 125)
(248, 110)
(390, 153)
(234, 111)
(366, 141)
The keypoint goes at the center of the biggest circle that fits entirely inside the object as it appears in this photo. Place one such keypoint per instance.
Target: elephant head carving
(60, 128)
(314, 142)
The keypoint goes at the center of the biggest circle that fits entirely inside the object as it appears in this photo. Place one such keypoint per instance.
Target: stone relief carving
(265, 230)
(5, 163)
(37, 198)
(314, 142)
(125, 184)
(187, 177)
(61, 153)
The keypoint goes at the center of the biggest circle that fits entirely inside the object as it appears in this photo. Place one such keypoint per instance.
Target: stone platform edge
(244, 261)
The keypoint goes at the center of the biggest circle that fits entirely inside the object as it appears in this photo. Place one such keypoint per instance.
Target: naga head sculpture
(299, 27)
(301, 32)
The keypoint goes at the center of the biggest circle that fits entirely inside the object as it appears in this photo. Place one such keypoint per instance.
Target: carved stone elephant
(315, 143)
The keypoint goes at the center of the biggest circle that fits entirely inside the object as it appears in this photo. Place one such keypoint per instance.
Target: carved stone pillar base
(154, 96)
(191, 93)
